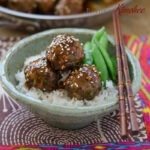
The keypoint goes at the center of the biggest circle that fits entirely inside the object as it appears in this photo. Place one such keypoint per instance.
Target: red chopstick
(124, 87)
(122, 106)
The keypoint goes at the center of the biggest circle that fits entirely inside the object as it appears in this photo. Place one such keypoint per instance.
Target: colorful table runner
(19, 126)
(140, 47)
(104, 146)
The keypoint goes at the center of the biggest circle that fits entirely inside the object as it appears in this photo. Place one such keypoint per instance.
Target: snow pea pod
(99, 33)
(100, 64)
(88, 59)
(101, 41)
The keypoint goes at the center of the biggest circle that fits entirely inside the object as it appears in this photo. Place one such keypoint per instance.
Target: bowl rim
(56, 17)
(13, 92)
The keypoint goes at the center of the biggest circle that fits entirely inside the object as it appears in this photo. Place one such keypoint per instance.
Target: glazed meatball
(3, 2)
(63, 75)
(40, 75)
(65, 52)
(94, 5)
(45, 6)
(109, 2)
(28, 6)
(68, 7)
(83, 83)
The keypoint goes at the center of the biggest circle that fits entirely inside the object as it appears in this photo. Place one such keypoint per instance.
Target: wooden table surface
(138, 24)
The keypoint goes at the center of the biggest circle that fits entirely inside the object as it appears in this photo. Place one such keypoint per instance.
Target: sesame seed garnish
(76, 84)
(62, 41)
(92, 82)
(62, 67)
(78, 76)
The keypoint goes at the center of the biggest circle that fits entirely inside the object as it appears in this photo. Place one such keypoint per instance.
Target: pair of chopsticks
(124, 82)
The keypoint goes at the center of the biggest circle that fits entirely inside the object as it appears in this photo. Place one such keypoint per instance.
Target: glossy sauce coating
(45, 6)
(56, 7)
(83, 83)
(65, 52)
(68, 7)
(39, 74)
(28, 6)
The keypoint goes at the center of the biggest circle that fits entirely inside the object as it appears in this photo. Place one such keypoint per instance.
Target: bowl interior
(31, 48)
(33, 45)
(36, 46)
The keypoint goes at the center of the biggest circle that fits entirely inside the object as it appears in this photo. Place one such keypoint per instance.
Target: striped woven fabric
(140, 47)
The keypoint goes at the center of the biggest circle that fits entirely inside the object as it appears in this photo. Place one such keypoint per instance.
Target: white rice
(59, 97)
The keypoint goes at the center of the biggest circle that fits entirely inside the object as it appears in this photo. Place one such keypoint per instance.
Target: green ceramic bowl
(58, 116)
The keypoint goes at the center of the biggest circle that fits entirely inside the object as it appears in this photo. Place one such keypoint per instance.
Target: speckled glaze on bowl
(57, 116)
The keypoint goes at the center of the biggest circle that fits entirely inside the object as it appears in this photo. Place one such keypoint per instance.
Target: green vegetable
(88, 59)
(96, 52)
(114, 62)
(99, 33)
(100, 64)
(101, 41)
